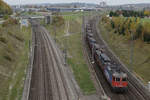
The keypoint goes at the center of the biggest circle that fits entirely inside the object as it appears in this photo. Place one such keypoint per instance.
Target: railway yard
(51, 79)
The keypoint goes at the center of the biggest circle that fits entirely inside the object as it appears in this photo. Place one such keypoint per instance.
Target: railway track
(48, 81)
(135, 91)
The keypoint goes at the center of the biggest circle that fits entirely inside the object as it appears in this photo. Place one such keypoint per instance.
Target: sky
(109, 2)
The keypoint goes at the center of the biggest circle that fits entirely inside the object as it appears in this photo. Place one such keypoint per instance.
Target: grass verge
(75, 58)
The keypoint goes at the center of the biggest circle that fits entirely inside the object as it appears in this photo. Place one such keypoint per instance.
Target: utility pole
(131, 51)
(19, 3)
(55, 32)
(66, 43)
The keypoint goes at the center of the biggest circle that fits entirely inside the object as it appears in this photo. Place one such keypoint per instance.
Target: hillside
(14, 47)
(4, 8)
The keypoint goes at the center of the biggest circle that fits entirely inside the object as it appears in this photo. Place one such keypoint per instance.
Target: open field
(14, 47)
(72, 42)
(122, 47)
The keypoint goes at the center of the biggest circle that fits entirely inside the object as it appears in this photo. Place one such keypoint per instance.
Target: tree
(57, 22)
(133, 27)
(139, 30)
(147, 13)
(5, 9)
(146, 32)
(111, 13)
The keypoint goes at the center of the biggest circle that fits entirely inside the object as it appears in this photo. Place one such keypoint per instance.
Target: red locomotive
(113, 74)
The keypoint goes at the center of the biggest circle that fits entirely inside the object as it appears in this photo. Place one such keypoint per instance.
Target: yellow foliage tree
(147, 13)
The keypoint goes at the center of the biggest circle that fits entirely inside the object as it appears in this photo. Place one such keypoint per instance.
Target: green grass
(145, 20)
(121, 47)
(31, 14)
(74, 15)
(75, 57)
(13, 71)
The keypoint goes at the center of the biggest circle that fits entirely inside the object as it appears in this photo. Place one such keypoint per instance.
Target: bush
(3, 39)
(16, 36)
(6, 17)
(7, 57)
(10, 21)
(147, 38)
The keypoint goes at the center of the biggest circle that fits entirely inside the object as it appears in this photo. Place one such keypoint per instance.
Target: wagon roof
(92, 39)
(98, 52)
(89, 34)
(105, 57)
(97, 45)
(122, 74)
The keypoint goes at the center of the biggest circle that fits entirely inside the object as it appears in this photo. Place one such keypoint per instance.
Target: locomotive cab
(116, 78)
(119, 82)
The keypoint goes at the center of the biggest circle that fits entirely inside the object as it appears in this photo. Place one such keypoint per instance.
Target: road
(135, 90)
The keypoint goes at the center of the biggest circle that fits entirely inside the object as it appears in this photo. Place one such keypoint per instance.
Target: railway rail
(135, 90)
(101, 93)
(48, 81)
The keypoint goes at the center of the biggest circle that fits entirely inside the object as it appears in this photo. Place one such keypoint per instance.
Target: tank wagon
(116, 78)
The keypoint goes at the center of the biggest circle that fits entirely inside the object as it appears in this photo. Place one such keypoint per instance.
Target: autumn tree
(57, 22)
(147, 13)
(131, 27)
(146, 32)
(5, 9)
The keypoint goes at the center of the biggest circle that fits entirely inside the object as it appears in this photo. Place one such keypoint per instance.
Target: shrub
(10, 21)
(147, 38)
(16, 36)
(6, 17)
(7, 57)
(3, 39)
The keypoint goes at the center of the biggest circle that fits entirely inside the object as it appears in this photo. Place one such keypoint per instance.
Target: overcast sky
(109, 2)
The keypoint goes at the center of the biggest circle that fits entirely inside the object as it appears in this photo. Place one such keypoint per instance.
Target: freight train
(116, 78)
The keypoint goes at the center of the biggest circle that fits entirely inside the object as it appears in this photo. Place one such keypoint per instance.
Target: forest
(131, 27)
(130, 13)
